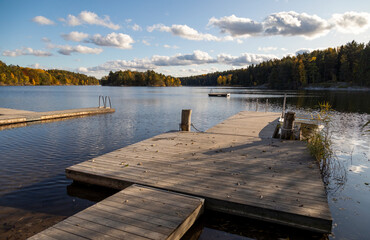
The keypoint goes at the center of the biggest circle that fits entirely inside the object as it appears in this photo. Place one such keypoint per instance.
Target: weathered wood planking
(13, 116)
(236, 166)
(137, 212)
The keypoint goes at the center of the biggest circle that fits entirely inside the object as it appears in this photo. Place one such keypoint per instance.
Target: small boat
(219, 94)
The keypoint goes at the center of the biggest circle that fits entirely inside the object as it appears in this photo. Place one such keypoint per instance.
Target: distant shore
(333, 87)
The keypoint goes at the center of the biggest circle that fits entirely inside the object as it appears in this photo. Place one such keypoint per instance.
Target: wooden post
(287, 129)
(185, 120)
(282, 114)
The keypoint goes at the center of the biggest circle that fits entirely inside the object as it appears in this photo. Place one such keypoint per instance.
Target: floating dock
(236, 166)
(137, 212)
(219, 94)
(14, 116)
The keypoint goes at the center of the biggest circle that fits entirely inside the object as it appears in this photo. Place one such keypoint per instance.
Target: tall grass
(320, 146)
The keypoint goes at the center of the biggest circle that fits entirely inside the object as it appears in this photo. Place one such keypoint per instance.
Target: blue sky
(180, 38)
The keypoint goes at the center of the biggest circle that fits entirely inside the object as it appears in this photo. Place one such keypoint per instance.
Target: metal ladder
(104, 100)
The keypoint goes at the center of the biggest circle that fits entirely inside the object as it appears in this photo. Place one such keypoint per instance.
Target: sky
(178, 38)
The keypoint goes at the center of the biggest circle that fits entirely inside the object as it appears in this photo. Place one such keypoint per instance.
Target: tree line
(134, 78)
(348, 63)
(20, 76)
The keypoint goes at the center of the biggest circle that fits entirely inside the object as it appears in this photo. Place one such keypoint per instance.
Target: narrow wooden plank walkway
(236, 166)
(137, 212)
(14, 116)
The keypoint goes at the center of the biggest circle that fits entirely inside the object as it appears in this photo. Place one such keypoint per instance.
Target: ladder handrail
(110, 103)
(104, 101)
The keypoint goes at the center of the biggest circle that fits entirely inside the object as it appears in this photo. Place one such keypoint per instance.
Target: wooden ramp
(136, 212)
(14, 116)
(236, 166)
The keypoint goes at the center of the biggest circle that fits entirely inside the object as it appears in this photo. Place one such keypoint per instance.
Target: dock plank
(14, 116)
(163, 215)
(236, 166)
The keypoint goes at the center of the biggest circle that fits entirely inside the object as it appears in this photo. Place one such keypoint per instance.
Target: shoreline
(261, 87)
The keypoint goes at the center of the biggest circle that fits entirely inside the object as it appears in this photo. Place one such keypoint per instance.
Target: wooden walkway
(236, 166)
(136, 212)
(13, 116)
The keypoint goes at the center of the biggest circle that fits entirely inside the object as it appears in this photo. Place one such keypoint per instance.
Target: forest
(20, 76)
(348, 63)
(134, 78)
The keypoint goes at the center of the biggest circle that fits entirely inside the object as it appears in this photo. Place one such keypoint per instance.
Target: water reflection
(214, 225)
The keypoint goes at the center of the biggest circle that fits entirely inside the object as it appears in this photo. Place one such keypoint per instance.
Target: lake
(34, 192)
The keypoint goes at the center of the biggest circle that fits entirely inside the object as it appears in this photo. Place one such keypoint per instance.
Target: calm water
(33, 158)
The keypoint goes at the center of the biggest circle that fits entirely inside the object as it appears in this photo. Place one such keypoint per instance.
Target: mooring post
(185, 120)
(287, 129)
(283, 112)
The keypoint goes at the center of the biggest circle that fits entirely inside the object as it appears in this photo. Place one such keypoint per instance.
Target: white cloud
(45, 39)
(68, 50)
(195, 71)
(83, 70)
(75, 36)
(118, 40)
(136, 27)
(26, 51)
(236, 26)
(36, 66)
(196, 58)
(169, 46)
(351, 22)
(292, 24)
(86, 17)
(244, 59)
(71, 20)
(42, 20)
(267, 49)
(185, 31)
(146, 42)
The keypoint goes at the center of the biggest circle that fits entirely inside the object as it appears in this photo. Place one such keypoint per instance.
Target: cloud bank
(26, 51)
(118, 40)
(184, 31)
(196, 58)
(292, 24)
(236, 26)
(86, 17)
(75, 36)
(68, 50)
(351, 22)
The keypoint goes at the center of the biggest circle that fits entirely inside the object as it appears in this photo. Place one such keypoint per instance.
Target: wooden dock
(137, 212)
(235, 166)
(219, 94)
(14, 116)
